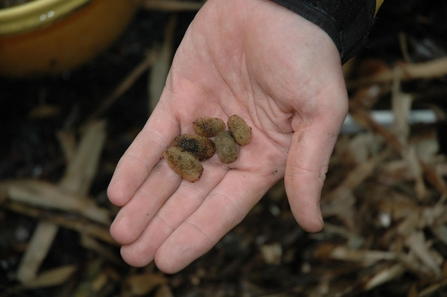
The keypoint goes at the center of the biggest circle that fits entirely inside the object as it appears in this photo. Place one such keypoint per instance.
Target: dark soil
(236, 266)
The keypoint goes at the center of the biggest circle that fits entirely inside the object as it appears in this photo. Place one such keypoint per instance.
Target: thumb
(307, 164)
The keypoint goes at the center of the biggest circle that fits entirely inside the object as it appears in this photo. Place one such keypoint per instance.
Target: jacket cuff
(347, 22)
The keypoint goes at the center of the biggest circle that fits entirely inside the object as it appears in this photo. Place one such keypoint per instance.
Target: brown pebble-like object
(226, 147)
(183, 163)
(208, 127)
(201, 147)
(239, 129)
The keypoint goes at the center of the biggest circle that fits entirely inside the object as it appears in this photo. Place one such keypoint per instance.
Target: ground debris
(384, 201)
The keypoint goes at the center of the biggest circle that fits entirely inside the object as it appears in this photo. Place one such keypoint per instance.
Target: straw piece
(76, 181)
(431, 69)
(27, 272)
(78, 224)
(125, 84)
(416, 242)
(367, 257)
(46, 195)
(82, 170)
(142, 284)
(67, 141)
(161, 66)
(52, 277)
(384, 276)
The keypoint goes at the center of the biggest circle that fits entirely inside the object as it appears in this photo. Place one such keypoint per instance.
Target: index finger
(142, 155)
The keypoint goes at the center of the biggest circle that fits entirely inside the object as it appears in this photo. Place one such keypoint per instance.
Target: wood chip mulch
(384, 199)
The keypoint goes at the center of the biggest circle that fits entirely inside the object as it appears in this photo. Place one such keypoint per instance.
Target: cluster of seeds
(187, 150)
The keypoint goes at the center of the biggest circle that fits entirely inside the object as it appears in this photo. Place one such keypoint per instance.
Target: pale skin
(283, 76)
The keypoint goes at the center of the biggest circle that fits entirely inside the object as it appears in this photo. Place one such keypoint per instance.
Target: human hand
(282, 75)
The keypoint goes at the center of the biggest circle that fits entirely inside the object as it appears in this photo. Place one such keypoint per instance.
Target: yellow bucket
(50, 36)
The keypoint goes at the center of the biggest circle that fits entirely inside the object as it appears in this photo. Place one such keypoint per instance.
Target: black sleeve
(346, 21)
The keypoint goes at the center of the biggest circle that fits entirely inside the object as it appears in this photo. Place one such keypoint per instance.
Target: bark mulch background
(384, 200)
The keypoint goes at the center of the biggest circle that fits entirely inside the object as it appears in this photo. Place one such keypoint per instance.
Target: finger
(147, 200)
(139, 159)
(223, 209)
(184, 202)
(306, 168)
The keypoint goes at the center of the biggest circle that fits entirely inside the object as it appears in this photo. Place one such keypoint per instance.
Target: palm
(238, 57)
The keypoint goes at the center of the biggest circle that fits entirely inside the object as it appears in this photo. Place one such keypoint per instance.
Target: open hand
(282, 75)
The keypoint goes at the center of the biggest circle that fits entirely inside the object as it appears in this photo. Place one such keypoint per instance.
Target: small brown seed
(239, 129)
(208, 127)
(226, 147)
(183, 163)
(201, 147)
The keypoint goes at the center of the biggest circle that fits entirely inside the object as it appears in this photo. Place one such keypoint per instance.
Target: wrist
(346, 22)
